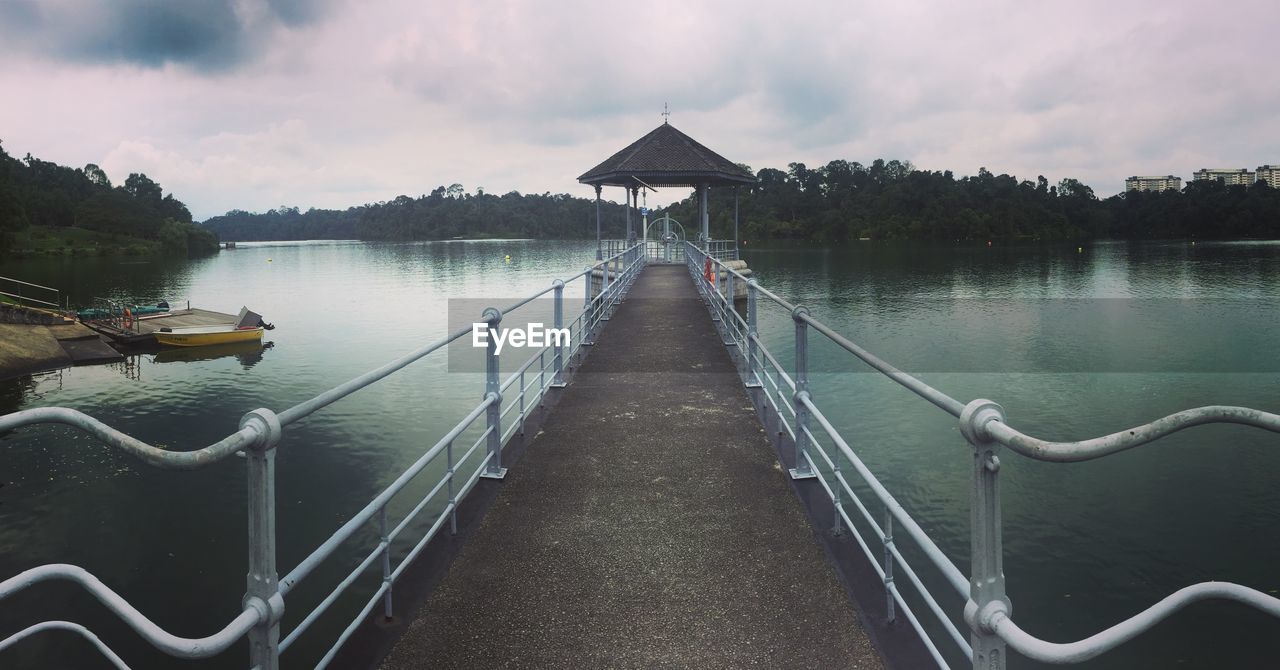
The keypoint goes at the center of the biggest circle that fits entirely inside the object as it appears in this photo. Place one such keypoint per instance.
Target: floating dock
(144, 328)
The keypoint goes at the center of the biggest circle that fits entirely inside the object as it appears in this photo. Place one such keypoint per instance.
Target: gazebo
(667, 157)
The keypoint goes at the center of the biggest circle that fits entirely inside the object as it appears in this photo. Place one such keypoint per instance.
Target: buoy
(508, 258)
(1079, 250)
(268, 260)
(988, 242)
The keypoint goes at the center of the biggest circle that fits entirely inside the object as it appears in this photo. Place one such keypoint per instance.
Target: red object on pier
(706, 270)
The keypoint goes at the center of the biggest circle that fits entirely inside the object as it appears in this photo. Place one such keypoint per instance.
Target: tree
(96, 176)
(141, 187)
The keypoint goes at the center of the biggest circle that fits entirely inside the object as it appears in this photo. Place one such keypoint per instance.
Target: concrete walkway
(648, 525)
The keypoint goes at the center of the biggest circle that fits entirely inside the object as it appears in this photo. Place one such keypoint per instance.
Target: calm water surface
(1073, 344)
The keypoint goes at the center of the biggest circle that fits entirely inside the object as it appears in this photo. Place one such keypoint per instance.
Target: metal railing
(660, 252)
(262, 430)
(982, 599)
(722, 250)
(24, 294)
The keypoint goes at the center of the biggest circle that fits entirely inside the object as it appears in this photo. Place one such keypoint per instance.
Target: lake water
(1073, 343)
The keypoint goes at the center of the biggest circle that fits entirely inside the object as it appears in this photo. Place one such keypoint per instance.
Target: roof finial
(666, 113)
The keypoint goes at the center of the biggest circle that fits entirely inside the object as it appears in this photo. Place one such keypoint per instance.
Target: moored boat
(199, 336)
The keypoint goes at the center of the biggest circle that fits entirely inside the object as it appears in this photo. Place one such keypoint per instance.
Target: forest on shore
(839, 202)
(445, 213)
(51, 209)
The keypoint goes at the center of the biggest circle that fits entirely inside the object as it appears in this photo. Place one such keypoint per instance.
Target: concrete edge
(898, 644)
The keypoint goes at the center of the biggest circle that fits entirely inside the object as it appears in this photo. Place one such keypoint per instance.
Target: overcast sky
(253, 104)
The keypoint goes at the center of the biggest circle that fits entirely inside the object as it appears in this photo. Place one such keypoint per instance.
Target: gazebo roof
(666, 157)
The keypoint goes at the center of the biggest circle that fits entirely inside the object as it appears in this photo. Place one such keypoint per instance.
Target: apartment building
(1269, 174)
(1228, 176)
(1153, 183)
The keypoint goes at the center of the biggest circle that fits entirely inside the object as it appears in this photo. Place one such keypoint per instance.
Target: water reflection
(248, 353)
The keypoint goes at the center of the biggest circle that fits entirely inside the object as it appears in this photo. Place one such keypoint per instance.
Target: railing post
(730, 324)
(986, 583)
(802, 469)
(385, 540)
(891, 613)
(557, 359)
(604, 293)
(453, 501)
(606, 296)
(587, 308)
(753, 380)
(713, 297)
(262, 582)
(493, 414)
(542, 378)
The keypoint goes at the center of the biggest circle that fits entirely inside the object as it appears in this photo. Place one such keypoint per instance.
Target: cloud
(207, 35)
(254, 104)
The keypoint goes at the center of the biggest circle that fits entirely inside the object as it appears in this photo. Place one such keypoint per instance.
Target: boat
(200, 336)
(96, 313)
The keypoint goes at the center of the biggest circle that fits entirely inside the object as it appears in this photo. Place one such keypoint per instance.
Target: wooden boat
(199, 336)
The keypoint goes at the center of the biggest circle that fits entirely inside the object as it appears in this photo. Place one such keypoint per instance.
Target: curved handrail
(1082, 650)
(152, 455)
(68, 626)
(159, 638)
(1083, 450)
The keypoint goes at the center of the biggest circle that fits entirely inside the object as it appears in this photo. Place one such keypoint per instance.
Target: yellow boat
(200, 336)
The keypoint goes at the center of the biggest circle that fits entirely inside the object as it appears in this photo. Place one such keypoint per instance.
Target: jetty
(662, 488)
(141, 331)
(36, 335)
(649, 524)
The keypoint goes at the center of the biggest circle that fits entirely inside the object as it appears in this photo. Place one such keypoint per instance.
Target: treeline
(838, 202)
(891, 200)
(445, 213)
(37, 193)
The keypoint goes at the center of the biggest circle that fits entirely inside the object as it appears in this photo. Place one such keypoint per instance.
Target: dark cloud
(209, 35)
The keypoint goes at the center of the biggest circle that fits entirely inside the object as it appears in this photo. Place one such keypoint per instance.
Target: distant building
(1162, 183)
(1269, 174)
(1228, 176)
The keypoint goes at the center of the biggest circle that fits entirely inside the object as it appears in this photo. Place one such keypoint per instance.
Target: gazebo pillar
(736, 253)
(628, 190)
(599, 251)
(704, 216)
(635, 198)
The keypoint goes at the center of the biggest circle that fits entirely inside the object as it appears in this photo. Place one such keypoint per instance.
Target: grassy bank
(49, 241)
